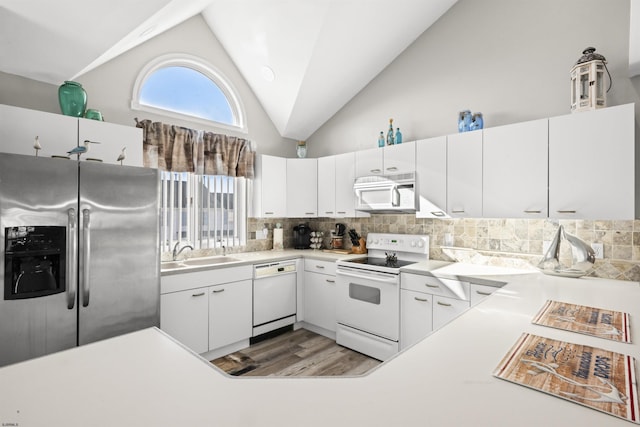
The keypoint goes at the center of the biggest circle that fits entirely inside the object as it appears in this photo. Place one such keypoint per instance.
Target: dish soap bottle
(381, 139)
(398, 136)
(390, 139)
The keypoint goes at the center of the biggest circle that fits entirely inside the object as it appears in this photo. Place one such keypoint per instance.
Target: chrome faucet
(177, 252)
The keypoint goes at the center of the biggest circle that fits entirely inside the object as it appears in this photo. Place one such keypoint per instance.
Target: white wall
(509, 59)
(110, 86)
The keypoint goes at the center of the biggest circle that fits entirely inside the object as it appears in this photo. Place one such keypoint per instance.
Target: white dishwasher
(274, 295)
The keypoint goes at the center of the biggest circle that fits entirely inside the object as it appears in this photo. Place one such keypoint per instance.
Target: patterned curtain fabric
(179, 149)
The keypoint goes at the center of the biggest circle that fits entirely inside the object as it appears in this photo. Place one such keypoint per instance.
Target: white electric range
(368, 293)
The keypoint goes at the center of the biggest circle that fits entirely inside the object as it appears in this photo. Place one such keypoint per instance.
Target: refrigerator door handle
(72, 258)
(86, 250)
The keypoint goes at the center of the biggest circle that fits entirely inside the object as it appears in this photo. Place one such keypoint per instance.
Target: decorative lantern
(587, 82)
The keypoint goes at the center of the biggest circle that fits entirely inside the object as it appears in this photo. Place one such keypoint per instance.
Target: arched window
(187, 88)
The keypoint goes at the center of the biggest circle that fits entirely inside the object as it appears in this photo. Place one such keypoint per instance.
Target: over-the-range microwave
(386, 193)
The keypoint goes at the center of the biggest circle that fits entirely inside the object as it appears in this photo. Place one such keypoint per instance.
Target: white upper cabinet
(345, 174)
(336, 174)
(369, 162)
(112, 139)
(592, 164)
(327, 186)
(464, 174)
(398, 159)
(514, 170)
(19, 127)
(270, 187)
(431, 169)
(302, 188)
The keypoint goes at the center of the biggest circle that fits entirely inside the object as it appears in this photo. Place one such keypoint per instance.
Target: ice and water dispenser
(34, 261)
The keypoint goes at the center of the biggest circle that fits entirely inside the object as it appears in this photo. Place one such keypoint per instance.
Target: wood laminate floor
(296, 353)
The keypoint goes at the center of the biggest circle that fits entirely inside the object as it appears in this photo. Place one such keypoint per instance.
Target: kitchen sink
(209, 260)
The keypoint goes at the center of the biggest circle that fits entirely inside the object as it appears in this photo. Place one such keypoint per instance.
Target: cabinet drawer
(479, 292)
(324, 267)
(434, 285)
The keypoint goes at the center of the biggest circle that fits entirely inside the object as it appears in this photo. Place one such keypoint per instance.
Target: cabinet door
(185, 316)
(480, 292)
(446, 309)
(230, 313)
(302, 188)
(369, 162)
(320, 300)
(464, 174)
(112, 138)
(431, 168)
(345, 168)
(400, 158)
(273, 186)
(327, 186)
(416, 317)
(514, 171)
(592, 164)
(19, 127)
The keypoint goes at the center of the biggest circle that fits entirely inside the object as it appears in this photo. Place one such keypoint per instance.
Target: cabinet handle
(198, 294)
(328, 212)
(444, 304)
(431, 286)
(483, 293)
(457, 211)
(330, 281)
(437, 213)
(268, 213)
(392, 168)
(533, 211)
(319, 266)
(375, 171)
(217, 291)
(566, 211)
(342, 212)
(309, 213)
(421, 299)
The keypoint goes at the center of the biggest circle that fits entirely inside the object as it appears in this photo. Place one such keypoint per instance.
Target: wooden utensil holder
(361, 249)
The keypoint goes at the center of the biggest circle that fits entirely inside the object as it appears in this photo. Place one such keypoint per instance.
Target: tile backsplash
(511, 242)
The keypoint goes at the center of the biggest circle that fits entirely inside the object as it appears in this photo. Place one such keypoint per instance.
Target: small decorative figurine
(122, 156)
(37, 146)
(81, 149)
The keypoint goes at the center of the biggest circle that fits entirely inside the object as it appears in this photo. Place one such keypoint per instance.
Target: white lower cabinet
(428, 303)
(230, 311)
(320, 294)
(416, 317)
(208, 310)
(185, 316)
(446, 309)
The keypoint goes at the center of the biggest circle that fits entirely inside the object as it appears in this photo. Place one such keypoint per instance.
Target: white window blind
(205, 211)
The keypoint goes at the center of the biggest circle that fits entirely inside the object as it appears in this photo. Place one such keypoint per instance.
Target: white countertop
(147, 379)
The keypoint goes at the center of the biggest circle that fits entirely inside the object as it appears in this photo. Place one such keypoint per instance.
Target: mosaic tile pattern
(500, 241)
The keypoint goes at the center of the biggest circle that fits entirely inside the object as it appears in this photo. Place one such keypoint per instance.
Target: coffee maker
(301, 236)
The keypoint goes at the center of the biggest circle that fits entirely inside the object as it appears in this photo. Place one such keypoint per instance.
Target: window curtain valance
(179, 149)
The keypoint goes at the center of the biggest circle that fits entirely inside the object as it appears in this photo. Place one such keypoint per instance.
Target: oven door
(369, 301)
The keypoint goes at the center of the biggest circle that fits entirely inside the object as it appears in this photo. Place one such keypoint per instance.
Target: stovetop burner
(381, 262)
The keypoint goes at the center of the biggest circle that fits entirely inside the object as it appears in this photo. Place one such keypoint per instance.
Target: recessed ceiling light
(268, 74)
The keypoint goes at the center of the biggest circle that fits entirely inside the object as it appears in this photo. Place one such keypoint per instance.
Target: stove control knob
(413, 243)
(420, 244)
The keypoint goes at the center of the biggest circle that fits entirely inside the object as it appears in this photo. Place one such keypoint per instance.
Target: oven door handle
(391, 279)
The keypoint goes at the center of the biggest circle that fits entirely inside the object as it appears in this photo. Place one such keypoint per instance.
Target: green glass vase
(73, 99)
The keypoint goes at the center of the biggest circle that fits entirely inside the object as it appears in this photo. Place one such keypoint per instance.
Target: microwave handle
(395, 196)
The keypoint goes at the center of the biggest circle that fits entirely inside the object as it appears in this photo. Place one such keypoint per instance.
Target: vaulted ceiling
(304, 60)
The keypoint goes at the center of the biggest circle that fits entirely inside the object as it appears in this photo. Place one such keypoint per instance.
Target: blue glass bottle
(464, 121)
(398, 136)
(381, 139)
(477, 122)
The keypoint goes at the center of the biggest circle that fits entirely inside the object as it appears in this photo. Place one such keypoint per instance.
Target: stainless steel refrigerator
(80, 257)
